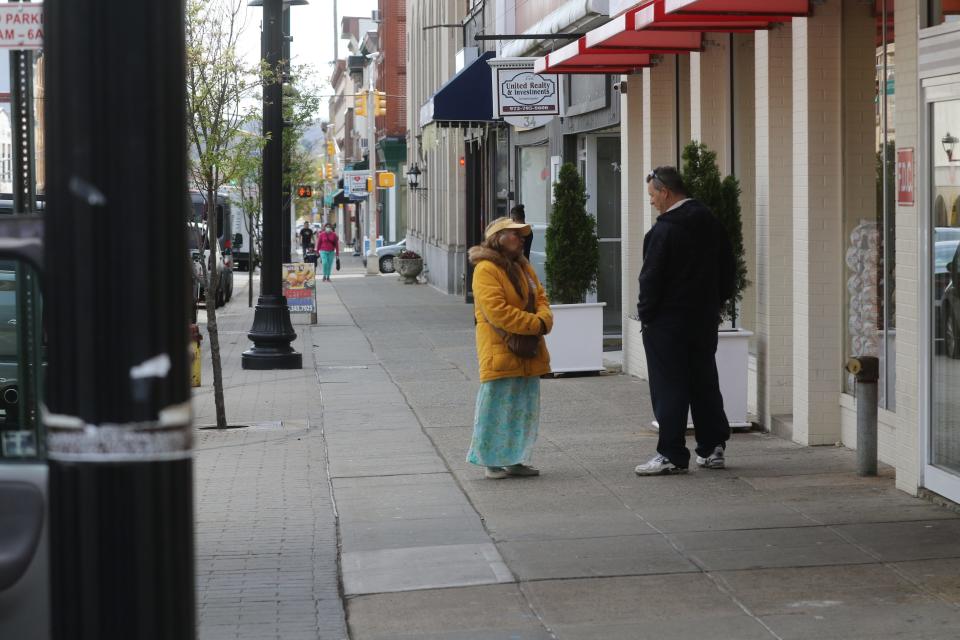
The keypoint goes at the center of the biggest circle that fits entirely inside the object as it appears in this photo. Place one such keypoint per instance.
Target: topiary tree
(573, 250)
(702, 178)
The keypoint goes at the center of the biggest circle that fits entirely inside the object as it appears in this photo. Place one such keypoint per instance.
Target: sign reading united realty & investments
(518, 91)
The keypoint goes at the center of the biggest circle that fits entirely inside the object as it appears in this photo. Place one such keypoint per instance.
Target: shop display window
(869, 258)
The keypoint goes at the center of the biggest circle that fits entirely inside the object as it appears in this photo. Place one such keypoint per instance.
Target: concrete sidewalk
(786, 543)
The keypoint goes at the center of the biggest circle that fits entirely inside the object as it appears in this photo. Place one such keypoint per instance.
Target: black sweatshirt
(688, 266)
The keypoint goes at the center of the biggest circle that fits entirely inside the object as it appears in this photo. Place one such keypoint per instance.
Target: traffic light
(321, 173)
(360, 104)
(330, 171)
(304, 191)
(380, 103)
(331, 150)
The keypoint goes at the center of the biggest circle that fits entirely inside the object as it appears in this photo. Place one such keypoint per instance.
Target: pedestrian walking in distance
(519, 214)
(306, 237)
(688, 273)
(328, 245)
(512, 315)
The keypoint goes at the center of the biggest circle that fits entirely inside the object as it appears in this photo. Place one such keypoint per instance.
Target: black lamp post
(272, 331)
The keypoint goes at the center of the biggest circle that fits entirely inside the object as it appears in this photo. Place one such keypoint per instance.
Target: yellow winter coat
(495, 298)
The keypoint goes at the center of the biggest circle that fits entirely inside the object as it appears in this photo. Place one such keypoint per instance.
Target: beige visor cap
(502, 224)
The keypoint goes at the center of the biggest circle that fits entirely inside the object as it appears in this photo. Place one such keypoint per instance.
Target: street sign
(355, 183)
(21, 26)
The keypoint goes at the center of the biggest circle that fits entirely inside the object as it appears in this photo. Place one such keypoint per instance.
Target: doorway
(942, 446)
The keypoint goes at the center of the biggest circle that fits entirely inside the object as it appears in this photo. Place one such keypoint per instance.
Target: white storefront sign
(355, 183)
(521, 97)
(21, 26)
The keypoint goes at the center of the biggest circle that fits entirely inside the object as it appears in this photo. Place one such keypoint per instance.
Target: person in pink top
(328, 244)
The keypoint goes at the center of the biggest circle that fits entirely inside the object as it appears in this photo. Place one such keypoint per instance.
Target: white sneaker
(495, 473)
(658, 466)
(714, 461)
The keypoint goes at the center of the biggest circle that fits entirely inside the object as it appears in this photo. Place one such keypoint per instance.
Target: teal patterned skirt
(506, 421)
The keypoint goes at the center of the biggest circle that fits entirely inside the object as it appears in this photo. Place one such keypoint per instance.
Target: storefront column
(710, 108)
(910, 395)
(817, 225)
(659, 136)
(633, 194)
(774, 227)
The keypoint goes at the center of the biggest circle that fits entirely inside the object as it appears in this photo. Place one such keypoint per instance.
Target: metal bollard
(867, 372)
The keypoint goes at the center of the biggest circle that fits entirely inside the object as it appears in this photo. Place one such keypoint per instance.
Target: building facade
(840, 120)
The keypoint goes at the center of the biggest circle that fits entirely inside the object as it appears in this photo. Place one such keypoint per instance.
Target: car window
(943, 254)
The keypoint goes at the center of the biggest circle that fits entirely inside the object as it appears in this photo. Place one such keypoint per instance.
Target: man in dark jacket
(687, 275)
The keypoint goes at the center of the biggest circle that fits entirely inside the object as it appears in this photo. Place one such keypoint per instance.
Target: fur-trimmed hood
(515, 269)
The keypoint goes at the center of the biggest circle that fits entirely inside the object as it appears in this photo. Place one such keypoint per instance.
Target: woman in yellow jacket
(508, 404)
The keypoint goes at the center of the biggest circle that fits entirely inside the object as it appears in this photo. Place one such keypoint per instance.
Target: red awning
(664, 26)
(621, 33)
(617, 47)
(717, 15)
(577, 58)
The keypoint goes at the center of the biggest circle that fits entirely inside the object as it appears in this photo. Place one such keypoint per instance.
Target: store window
(870, 241)
(945, 201)
(534, 175)
(939, 11)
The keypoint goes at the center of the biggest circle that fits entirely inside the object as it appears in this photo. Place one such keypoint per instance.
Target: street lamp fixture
(413, 177)
(949, 142)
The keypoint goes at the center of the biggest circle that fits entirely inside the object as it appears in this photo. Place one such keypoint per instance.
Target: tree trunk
(250, 261)
(214, 336)
(213, 283)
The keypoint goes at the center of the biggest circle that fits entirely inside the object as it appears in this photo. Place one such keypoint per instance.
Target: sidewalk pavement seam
(896, 570)
(333, 497)
(716, 580)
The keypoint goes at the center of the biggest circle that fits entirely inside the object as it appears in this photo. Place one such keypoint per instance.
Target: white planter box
(576, 341)
(732, 361)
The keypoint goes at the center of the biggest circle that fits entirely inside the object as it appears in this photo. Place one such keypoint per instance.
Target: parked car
(386, 254)
(197, 237)
(946, 295)
(224, 262)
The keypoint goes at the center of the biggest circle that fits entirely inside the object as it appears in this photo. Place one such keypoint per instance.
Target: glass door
(608, 230)
(942, 469)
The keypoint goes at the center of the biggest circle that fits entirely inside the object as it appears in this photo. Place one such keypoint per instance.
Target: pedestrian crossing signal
(304, 191)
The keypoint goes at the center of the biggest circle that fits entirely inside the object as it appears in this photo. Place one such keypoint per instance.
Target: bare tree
(221, 109)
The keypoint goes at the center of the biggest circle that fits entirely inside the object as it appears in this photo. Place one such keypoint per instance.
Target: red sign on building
(906, 174)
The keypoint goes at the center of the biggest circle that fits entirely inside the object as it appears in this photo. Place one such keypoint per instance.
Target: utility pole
(117, 410)
(373, 266)
(272, 332)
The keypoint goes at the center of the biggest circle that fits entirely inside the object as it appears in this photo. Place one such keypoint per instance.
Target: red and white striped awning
(575, 58)
(717, 15)
(617, 47)
(663, 26)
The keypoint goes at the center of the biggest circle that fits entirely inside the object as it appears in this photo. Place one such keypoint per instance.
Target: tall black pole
(287, 187)
(116, 310)
(272, 331)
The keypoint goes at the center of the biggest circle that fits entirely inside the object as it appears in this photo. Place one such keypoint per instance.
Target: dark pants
(682, 369)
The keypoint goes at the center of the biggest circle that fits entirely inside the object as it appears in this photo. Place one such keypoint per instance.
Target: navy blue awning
(464, 99)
